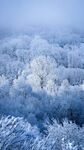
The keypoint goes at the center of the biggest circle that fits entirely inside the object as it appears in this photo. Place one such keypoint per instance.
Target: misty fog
(58, 13)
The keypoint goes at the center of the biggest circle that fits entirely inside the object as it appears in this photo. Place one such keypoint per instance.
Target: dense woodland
(41, 90)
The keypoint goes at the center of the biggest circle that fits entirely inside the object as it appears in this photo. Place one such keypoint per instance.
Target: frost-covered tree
(51, 87)
(11, 44)
(14, 69)
(64, 85)
(20, 88)
(39, 46)
(4, 87)
(41, 69)
(15, 133)
(22, 55)
(63, 137)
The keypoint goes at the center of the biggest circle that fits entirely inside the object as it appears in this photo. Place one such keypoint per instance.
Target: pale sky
(50, 12)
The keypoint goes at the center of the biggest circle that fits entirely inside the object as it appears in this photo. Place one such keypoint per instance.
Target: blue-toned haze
(20, 13)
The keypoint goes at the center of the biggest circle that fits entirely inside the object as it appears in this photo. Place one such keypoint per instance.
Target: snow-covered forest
(41, 74)
(42, 90)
